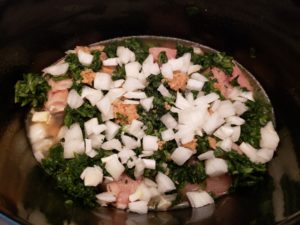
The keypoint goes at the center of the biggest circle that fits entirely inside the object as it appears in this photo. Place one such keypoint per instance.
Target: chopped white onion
(111, 129)
(235, 120)
(225, 144)
(181, 102)
(149, 164)
(125, 55)
(85, 58)
(91, 94)
(113, 144)
(111, 62)
(118, 83)
(115, 93)
(104, 105)
(215, 167)
(37, 132)
(264, 155)
(249, 151)
(135, 95)
(213, 122)
(103, 81)
(74, 100)
(199, 199)
(74, 132)
(106, 197)
(133, 69)
(57, 69)
(88, 148)
(129, 142)
(73, 146)
(167, 135)
(194, 85)
(125, 154)
(140, 207)
(92, 176)
(181, 155)
(169, 121)
(199, 77)
(163, 91)
(165, 184)
(135, 129)
(43, 145)
(193, 68)
(224, 132)
(166, 71)
(207, 155)
(89, 126)
(226, 109)
(139, 168)
(97, 140)
(133, 84)
(236, 133)
(98, 129)
(239, 107)
(147, 103)
(150, 143)
(114, 167)
(269, 138)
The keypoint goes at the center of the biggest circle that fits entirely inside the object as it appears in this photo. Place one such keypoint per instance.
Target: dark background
(263, 35)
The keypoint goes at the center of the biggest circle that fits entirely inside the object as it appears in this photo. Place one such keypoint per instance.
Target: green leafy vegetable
(190, 173)
(256, 117)
(219, 59)
(162, 57)
(111, 49)
(119, 73)
(202, 144)
(96, 63)
(32, 90)
(75, 66)
(181, 50)
(244, 172)
(81, 114)
(66, 173)
(138, 47)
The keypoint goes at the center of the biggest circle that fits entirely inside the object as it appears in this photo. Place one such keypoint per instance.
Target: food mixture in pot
(137, 126)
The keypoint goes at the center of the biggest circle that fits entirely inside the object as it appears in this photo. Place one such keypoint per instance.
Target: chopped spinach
(32, 90)
(202, 144)
(138, 47)
(111, 49)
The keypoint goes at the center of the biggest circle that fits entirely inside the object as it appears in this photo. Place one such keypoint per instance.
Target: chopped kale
(234, 82)
(111, 49)
(162, 58)
(66, 173)
(256, 117)
(75, 66)
(32, 90)
(181, 50)
(96, 63)
(81, 114)
(190, 173)
(244, 172)
(219, 59)
(119, 73)
(138, 47)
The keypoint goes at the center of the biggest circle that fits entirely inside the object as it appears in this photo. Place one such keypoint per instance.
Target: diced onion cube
(181, 155)
(85, 58)
(199, 199)
(150, 143)
(103, 81)
(165, 184)
(92, 176)
(215, 167)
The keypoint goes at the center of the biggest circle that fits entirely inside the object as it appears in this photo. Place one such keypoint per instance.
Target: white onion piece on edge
(92, 176)
(133, 84)
(130, 142)
(181, 155)
(269, 137)
(111, 62)
(91, 94)
(194, 85)
(193, 69)
(181, 102)
(226, 109)
(212, 123)
(135, 95)
(147, 103)
(85, 58)
(164, 183)
(114, 167)
(139, 168)
(166, 71)
(264, 155)
(215, 167)
(74, 100)
(132, 69)
(89, 151)
(97, 140)
(105, 197)
(199, 199)
(104, 106)
(125, 154)
(249, 151)
(140, 207)
(57, 69)
(37, 132)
